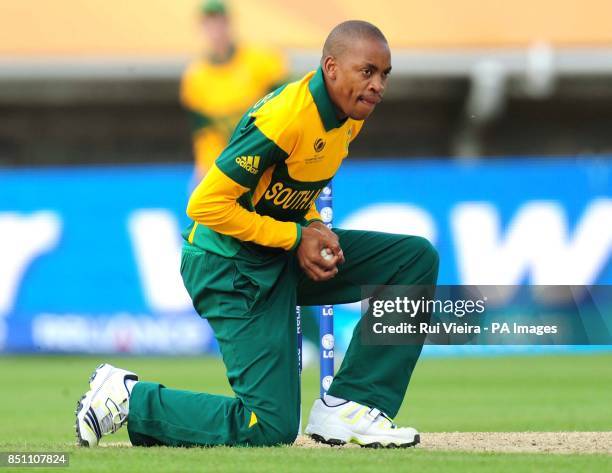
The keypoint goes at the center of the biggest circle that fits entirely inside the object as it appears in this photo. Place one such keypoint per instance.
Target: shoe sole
(338, 443)
(80, 440)
(79, 407)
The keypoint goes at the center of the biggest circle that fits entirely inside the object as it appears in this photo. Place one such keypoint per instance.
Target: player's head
(356, 62)
(216, 26)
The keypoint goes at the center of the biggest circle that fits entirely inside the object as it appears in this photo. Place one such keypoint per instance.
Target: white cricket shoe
(104, 408)
(356, 423)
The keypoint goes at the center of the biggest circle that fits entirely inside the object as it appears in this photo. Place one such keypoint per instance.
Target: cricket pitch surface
(503, 442)
(492, 442)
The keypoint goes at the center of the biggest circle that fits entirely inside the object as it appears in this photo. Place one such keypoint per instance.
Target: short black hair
(346, 32)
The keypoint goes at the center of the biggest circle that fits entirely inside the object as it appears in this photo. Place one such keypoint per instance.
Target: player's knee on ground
(279, 431)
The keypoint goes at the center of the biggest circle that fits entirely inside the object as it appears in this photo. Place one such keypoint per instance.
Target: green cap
(213, 7)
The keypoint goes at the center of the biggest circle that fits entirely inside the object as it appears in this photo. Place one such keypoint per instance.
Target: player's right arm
(214, 203)
(222, 201)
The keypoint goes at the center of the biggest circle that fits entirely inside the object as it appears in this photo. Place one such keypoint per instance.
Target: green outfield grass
(543, 393)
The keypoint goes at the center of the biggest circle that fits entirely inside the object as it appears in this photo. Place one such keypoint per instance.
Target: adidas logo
(249, 163)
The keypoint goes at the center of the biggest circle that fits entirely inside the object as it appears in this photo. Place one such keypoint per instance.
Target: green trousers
(249, 300)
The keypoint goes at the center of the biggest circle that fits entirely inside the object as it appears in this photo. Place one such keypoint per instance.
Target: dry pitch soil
(495, 442)
(504, 442)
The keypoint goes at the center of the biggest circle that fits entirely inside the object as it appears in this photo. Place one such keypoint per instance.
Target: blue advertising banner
(89, 256)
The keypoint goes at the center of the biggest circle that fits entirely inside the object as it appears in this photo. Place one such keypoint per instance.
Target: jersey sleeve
(222, 201)
(250, 152)
(214, 203)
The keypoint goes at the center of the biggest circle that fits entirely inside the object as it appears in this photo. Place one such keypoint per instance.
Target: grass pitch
(543, 393)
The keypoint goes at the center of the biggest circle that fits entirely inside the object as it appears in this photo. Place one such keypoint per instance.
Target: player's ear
(330, 67)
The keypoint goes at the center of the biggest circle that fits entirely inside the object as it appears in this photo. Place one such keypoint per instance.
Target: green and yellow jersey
(263, 186)
(217, 94)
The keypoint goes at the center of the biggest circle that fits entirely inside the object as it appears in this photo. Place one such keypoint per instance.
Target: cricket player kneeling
(254, 251)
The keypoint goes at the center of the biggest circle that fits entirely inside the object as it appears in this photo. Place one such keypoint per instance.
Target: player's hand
(326, 231)
(309, 255)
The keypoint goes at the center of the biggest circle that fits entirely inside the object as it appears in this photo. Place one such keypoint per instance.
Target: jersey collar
(326, 109)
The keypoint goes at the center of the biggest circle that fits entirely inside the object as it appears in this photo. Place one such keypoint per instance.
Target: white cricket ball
(327, 254)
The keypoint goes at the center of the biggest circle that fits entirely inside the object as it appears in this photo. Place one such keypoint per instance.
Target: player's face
(216, 29)
(361, 77)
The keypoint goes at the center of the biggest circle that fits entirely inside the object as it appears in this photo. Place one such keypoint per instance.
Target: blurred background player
(222, 83)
